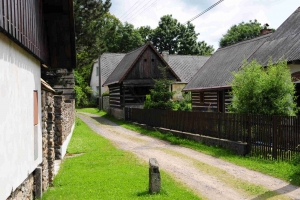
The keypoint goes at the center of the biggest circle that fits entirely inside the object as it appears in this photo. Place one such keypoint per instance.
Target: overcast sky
(213, 24)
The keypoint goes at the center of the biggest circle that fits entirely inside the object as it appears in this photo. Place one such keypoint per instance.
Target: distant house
(184, 66)
(134, 76)
(210, 86)
(33, 35)
(107, 62)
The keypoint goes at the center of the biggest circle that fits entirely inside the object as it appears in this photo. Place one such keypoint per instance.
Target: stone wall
(238, 147)
(64, 121)
(24, 191)
(48, 125)
(117, 113)
(105, 102)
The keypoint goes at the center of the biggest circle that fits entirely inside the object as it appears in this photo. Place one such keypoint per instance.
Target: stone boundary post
(154, 176)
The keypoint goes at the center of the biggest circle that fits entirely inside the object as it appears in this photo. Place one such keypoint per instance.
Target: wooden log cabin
(134, 76)
(211, 85)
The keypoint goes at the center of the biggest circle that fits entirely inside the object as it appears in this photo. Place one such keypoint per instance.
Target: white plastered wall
(19, 77)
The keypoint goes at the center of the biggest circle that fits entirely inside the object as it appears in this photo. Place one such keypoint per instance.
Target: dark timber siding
(211, 101)
(115, 100)
(147, 67)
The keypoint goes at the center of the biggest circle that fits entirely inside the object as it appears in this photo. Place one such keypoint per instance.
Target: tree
(160, 96)
(242, 31)
(177, 38)
(87, 17)
(129, 38)
(145, 32)
(267, 91)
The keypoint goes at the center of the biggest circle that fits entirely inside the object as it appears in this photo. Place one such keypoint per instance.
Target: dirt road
(207, 176)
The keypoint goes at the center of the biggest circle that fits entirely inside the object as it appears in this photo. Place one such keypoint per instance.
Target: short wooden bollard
(154, 176)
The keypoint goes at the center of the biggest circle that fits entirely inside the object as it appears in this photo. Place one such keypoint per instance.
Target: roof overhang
(60, 30)
(208, 88)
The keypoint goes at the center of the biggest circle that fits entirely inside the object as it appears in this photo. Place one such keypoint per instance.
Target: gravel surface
(182, 163)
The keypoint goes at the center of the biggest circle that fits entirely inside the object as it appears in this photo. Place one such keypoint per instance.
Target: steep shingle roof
(124, 65)
(186, 66)
(283, 43)
(217, 71)
(109, 62)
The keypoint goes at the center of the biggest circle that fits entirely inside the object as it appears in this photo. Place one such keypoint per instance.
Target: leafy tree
(129, 38)
(242, 31)
(160, 96)
(267, 91)
(145, 32)
(177, 38)
(87, 23)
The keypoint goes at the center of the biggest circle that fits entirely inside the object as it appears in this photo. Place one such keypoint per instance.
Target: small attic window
(145, 60)
(152, 60)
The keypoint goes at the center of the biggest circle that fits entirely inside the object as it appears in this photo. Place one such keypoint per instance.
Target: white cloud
(213, 24)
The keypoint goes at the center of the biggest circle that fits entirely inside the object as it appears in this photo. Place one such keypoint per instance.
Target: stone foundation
(48, 118)
(64, 121)
(25, 191)
(117, 113)
(238, 147)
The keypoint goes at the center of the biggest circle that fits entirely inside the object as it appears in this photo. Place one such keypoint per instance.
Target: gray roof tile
(186, 66)
(109, 62)
(283, 43)
(217, 71)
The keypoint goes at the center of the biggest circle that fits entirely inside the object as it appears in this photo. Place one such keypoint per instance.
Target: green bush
(160, 96)
(267, 91)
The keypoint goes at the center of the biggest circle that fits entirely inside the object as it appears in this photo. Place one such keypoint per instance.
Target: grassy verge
(288, 171)
(100, 171)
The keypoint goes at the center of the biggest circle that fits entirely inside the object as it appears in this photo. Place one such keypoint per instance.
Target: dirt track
(206, 175)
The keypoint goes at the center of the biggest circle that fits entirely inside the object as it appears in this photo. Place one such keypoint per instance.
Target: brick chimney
(265, 30)
(165, 55)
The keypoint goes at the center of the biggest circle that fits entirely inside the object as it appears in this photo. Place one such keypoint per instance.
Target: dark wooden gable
(147, 67)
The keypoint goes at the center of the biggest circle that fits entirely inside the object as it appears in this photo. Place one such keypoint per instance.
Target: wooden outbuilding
(134, 76)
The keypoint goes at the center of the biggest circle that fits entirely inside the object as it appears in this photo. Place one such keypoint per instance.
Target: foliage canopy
(267, 91)
(177, 38)
(242, 31)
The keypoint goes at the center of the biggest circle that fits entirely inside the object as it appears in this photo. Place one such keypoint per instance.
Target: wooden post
(249, 135)
(274, 143)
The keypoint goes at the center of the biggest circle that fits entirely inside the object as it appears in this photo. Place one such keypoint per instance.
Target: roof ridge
(246, 41)
(190, 55)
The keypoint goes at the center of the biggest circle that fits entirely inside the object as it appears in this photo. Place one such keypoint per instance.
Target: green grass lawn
(288, 171)
(101, 171)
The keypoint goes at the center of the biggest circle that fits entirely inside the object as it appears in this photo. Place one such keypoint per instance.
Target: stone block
(38, 183)
(154, 176)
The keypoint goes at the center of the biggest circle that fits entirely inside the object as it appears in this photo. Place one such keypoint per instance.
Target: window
(97, 71)
(35, 108)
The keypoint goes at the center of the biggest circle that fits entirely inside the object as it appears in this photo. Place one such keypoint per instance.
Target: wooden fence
(271, 137)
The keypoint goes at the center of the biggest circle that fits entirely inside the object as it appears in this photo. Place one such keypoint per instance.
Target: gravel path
(206, 175)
